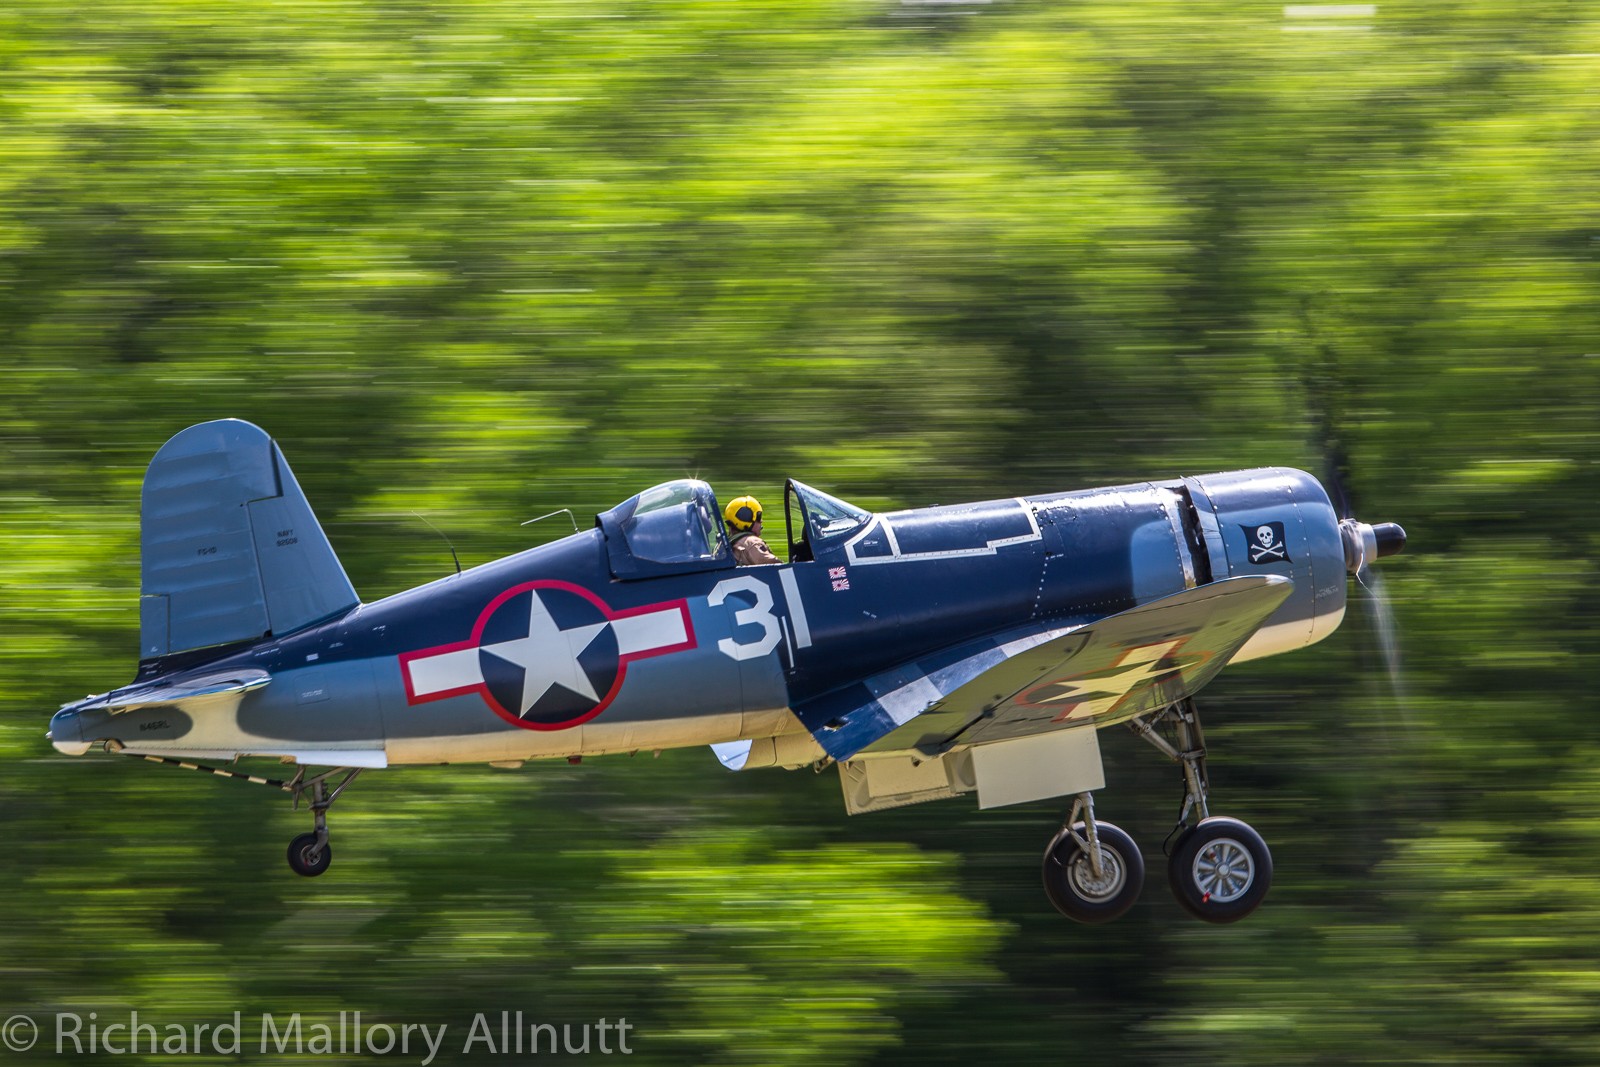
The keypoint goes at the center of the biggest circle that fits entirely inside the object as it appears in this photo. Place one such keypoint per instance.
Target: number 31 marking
(758, 614)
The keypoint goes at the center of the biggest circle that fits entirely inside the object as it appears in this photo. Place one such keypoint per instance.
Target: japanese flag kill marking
(547, 655)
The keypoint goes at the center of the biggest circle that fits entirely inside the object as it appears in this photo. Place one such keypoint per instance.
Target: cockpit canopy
(667, 529)
(676, 528)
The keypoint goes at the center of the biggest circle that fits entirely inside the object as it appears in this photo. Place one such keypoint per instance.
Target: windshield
(827, 516)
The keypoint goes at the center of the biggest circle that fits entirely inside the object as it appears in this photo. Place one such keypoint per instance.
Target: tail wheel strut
(311, 854)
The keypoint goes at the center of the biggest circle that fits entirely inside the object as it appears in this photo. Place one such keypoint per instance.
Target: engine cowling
(1278, 520)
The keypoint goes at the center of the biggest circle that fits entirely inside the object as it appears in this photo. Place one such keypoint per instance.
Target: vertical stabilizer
(230, 550)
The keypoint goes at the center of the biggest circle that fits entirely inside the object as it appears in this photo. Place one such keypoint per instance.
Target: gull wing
(1039, 679)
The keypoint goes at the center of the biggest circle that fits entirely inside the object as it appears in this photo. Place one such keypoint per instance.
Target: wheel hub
(1087, 885)
(1223, 870)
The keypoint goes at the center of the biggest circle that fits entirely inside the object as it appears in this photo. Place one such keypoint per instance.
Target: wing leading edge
(1037, 679)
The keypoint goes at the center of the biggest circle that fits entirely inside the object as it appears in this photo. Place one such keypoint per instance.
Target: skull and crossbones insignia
(1266, 543)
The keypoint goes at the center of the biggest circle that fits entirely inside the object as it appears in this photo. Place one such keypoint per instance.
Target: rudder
(230, 550)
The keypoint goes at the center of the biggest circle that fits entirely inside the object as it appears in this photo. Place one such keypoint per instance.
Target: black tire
(300, 856)
(1069, 879)
(1220, 870)
(1172, 871)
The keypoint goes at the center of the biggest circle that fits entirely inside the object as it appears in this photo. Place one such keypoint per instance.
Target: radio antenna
(440, 532)
(559, 511)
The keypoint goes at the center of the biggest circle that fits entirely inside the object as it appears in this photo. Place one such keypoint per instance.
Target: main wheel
(1220, 870)
(305, 860)
(1074, 888)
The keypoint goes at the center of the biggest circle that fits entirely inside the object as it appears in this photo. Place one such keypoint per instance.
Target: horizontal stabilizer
(184, 689)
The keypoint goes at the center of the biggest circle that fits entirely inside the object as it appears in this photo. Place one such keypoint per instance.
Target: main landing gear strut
(1219, 868)
(1093, 871)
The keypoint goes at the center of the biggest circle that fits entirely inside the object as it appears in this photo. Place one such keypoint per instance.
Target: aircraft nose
(1364, 543)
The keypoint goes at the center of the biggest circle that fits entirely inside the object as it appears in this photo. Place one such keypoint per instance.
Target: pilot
(744, 532)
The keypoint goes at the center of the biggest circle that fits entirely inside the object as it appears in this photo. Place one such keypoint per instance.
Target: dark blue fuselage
(642, 633)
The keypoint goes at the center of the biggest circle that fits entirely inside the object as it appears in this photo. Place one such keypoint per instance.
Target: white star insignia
(549, 655)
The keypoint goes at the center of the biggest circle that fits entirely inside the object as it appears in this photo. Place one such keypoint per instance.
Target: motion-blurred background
(474, 261)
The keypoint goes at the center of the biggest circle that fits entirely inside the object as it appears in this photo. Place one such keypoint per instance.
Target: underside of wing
(1038, 680)
(1120, 667)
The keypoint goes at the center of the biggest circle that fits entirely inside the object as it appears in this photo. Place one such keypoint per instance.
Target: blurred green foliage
(478, 260)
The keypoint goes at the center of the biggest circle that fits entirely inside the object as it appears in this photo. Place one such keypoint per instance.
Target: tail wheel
(306, 859)
(1072, 884)
(1220, 870)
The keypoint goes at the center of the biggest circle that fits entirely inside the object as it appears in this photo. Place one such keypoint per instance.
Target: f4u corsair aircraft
(928, 653)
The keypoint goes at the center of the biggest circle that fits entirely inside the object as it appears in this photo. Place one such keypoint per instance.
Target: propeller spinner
(1364, 542)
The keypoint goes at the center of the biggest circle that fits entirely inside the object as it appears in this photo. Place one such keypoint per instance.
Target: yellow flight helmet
(743, 513)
